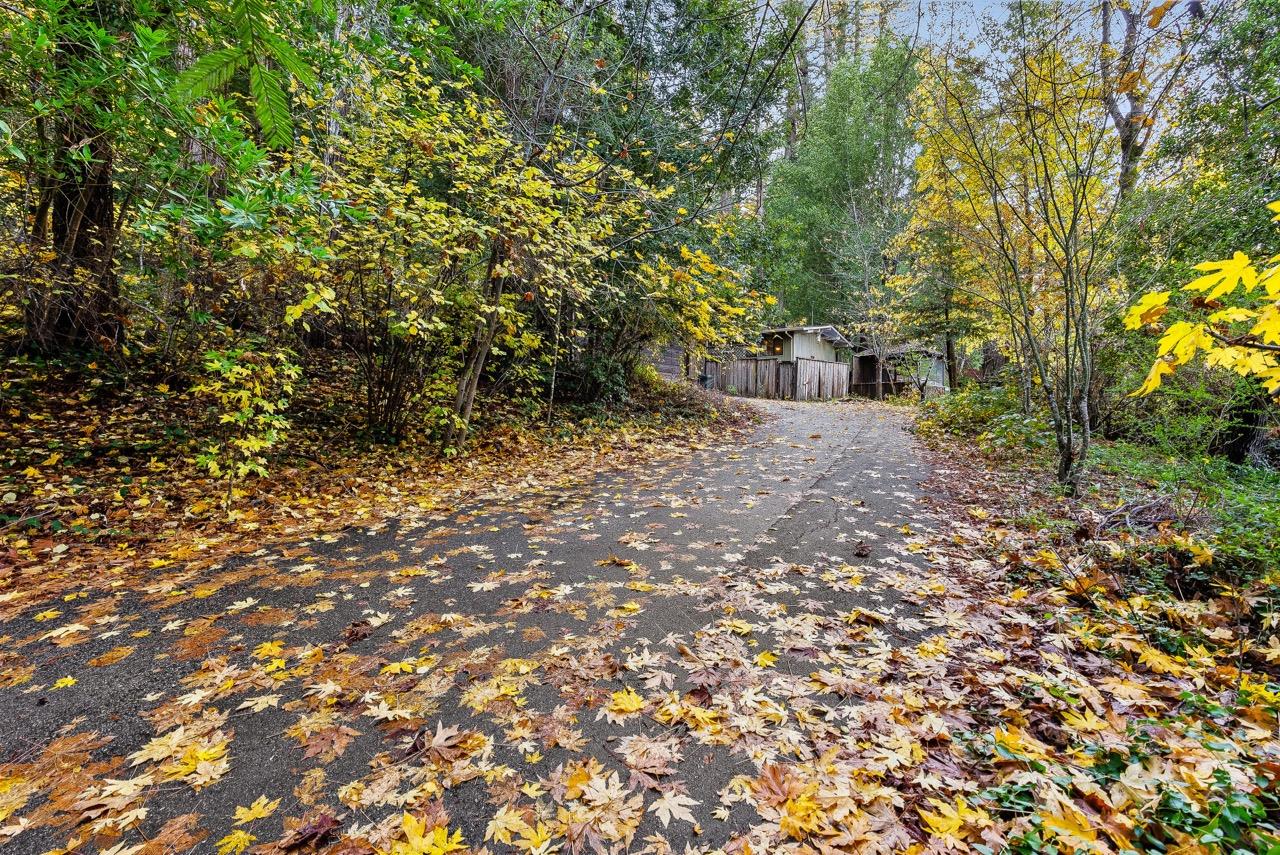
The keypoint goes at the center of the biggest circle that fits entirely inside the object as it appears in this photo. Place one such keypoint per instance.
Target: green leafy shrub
(991, 416)
(970, 412)
(1236, 507)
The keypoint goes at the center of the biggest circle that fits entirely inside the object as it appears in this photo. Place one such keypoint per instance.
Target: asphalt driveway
(613, 664)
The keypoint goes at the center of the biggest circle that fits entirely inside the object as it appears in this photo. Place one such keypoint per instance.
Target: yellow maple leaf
(1223, 277)
(235, 842)
(403, 667)
(801, 816)
(259, 809)
(1072, 828)
(419, 841)
(1087, 721)
(1267, 327)
(945, 825)
(951, 822)
(766, 658)
(535, 839)
(505, 823)
(1182, 340)
(1201, 554)
(1159, 661)
(268, 649)
(1128, 82)
(1232, 315)
(196, 756)
(1014, 741)
(1161, 369)
(1147, 310)
(626, 702)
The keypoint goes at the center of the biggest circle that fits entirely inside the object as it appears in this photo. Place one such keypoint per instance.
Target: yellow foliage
(1234, 322)
(953, 824)
(626, 701)
(418, 840)
(801, 816)
(235, 842)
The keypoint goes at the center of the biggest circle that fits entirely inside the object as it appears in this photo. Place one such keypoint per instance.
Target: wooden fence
(750, 378)
(802, 380)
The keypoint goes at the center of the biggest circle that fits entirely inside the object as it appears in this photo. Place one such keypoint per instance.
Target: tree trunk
(1130, 120)
(477, 352)
(798, 99)
(993, 362)
(953, 366)
(77, 304)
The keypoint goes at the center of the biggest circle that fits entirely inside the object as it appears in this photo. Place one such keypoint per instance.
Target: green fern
(257, 46)
(212, 72)
(270, 105)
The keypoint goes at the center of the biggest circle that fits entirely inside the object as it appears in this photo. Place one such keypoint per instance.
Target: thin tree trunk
(953, 367)
(478, 351)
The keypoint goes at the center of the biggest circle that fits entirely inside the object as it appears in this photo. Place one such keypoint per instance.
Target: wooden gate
(750, 378)
(817, 380)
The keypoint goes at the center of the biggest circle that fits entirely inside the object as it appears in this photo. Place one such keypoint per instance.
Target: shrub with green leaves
(993, 417)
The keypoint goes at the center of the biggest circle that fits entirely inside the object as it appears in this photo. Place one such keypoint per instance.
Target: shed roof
(825, 331)
(910, 347)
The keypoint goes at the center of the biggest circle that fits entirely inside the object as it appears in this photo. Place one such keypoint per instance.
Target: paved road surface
(596, 649)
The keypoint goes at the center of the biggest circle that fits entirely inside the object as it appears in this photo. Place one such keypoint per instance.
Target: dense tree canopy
(455, 196)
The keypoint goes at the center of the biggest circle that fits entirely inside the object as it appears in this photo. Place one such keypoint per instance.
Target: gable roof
(824, 331)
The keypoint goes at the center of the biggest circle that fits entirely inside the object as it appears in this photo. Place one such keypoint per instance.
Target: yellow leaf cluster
(1234, 324)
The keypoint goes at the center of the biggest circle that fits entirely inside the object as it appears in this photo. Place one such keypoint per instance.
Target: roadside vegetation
(1166, 564)
(256, 252)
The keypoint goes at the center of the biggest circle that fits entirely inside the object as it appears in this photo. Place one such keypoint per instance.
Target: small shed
(822, 342)
(906, 365)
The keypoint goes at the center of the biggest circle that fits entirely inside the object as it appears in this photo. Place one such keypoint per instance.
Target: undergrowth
(117, 459)
(993, 417)
(1168, 567)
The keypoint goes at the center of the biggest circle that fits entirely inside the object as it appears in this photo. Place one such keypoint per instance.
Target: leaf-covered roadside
(1134, 706)
(640, 678)
(104, 484)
